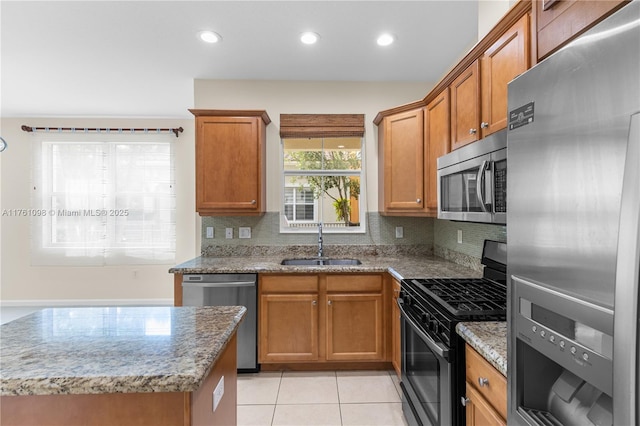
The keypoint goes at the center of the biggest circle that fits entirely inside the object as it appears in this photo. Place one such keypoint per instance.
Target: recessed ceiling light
(385, 39)
(309, 38)
(210, 36)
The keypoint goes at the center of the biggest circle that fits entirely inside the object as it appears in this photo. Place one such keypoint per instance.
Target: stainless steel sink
(320, 262)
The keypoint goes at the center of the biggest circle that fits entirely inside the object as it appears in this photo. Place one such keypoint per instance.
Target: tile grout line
(339, 402)
(275, 406)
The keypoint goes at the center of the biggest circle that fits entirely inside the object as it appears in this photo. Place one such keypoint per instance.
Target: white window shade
(103, 200)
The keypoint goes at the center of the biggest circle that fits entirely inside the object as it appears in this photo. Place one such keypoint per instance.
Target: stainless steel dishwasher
(229, 290)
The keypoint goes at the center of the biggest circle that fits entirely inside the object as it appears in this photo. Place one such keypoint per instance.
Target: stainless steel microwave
(472, 181)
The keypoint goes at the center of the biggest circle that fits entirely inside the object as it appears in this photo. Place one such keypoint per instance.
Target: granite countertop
(113, 349)
(489, 339)
(400, 265)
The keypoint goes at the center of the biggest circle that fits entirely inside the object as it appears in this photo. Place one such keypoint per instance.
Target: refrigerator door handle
(625, 385)
(480, 185)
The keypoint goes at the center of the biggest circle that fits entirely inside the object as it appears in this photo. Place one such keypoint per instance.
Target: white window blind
(103, 200)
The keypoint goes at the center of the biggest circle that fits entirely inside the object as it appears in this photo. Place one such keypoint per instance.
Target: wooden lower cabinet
(288, 322)
(320, 318)
(354, 327)
(289, 327)
(486, 390)
(479, 411)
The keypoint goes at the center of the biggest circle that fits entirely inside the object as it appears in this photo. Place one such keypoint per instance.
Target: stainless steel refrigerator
(573, 209)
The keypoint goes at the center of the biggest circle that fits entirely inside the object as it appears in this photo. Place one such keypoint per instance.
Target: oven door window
(422, 369)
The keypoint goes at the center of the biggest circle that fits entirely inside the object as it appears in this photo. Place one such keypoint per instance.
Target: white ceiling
(139, 58)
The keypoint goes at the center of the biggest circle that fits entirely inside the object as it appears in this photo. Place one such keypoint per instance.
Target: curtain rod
(101, 129)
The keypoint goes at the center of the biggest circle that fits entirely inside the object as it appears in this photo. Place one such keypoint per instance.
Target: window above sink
(323, 182)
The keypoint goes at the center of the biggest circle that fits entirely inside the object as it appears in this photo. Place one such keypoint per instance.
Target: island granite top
(489, 339)
(113, 349)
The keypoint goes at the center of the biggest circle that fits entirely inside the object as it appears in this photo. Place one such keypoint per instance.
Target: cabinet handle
(464, 400)
(329, 303)
(253, 201)
(473, 131)
(484, 125)
(418, 200)
(482, 381)
(314, 303)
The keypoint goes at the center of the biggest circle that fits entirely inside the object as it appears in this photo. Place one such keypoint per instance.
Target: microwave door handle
(480, 185)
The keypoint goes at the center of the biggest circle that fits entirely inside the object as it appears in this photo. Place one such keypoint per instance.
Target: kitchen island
(120, 365)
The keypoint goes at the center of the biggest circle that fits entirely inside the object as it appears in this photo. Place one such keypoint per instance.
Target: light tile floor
(320, 398)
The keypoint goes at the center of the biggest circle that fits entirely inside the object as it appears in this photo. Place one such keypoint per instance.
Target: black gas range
(433, 368)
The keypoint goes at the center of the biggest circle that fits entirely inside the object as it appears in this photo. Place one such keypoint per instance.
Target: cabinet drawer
(354, 283)
(494, 389)
(288, 283)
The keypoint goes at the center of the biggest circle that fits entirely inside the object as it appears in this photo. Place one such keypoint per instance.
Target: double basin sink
(320, 262)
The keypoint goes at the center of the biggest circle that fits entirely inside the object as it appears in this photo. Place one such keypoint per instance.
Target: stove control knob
(433, 326)
(425, 318)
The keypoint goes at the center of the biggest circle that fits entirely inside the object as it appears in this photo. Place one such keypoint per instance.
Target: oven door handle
(440, 349)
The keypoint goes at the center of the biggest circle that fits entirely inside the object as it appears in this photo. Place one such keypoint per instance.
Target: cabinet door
(404, 162)
(354, 327)
(465, 107)
(288, 327)
(396, 358)
(479, 412)
(502, 62)
(229, 165)
(561, 21)
(486, 381)
(438, 141)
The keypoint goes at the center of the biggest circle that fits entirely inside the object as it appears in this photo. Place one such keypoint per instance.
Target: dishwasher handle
(223, 284)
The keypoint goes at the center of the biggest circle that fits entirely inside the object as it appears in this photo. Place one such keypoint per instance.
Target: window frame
(311, 227)
(45, 251)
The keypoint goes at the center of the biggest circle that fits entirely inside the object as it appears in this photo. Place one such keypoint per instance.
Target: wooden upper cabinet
(465, 107)
(479, 94)
(402, 163)
(437, 141)
(230, 162)
(502, 62)
(559, 22)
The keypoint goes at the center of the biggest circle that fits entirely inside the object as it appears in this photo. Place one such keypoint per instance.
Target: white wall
(489, 13)
(304, 97)
(21, 283)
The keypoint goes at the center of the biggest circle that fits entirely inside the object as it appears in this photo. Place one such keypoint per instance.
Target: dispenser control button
(543, 333)
(552, 338)
(534, 328)
(562, 344)
(573, 350)
(585, 356)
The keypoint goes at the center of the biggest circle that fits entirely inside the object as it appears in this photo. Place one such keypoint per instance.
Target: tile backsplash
(442, 235)
(265, 231)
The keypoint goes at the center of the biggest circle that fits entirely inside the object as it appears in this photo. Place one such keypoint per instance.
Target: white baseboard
(85, 302)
